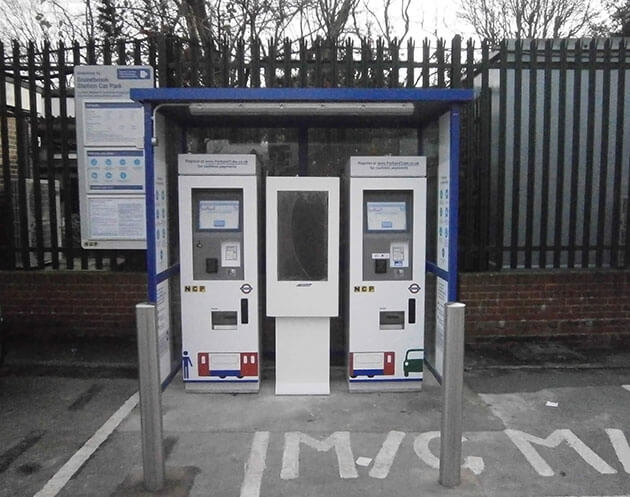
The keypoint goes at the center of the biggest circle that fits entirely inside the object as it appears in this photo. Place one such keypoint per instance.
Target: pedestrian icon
(186, 364)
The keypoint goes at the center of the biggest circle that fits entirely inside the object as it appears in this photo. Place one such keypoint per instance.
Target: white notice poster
(441, 298)
(443, 222)
(164, 329)
(113, 124)
(114, 218)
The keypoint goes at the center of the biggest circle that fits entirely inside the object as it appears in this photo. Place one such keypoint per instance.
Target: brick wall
(547, 303)
(509, 304)
(72, 303)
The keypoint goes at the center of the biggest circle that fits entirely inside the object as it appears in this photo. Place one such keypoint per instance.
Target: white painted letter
(620, 444)
(385, 457)
(340, 440)
(255, 466)
(524, 443)
(421, 447)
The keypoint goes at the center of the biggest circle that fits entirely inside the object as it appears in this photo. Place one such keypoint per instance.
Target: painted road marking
(256, 465)
(421, 448)
(627, 387)
(620, 444)
(524, 442)
(385, 457)
(340, 440)
(67, 471)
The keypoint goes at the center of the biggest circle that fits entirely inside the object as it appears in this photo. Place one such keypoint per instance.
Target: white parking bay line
(255, 466)
(67, 471)
(627, 387)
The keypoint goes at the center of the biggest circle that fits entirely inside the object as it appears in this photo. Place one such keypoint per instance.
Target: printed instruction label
(115, 171)
(117, 218)
(113, 124)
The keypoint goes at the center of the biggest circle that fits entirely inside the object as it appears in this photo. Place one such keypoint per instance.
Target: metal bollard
(150, 397)
(452, 396)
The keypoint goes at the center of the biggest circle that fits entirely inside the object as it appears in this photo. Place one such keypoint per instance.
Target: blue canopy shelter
(170, 114)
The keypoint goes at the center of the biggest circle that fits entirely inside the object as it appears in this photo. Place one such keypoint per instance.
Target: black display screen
(302, 235)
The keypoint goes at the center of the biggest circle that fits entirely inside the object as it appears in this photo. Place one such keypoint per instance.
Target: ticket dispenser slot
(224, 320)
(217, 234)
(391, 320)
(388, 235)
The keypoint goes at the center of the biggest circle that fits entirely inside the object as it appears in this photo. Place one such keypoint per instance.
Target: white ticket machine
(302, 279)
(218, 236)
(387, 219)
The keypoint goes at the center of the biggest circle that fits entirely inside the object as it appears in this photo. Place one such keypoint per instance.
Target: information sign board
(110, 156)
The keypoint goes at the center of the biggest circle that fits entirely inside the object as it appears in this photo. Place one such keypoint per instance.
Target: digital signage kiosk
(302, 278)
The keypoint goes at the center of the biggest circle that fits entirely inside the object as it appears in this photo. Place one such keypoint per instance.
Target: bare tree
(394, 31)
(333, 16)
(495, 20)
(617, 21)
(37, 20)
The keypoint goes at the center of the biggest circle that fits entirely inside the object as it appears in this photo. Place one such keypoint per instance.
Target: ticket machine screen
(218, 234)
(386, 216)
(219, 214)
(387, 235)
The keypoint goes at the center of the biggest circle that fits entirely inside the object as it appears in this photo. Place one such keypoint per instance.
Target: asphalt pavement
(540, 419)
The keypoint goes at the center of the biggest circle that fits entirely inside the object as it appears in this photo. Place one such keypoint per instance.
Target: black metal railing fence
(545, 155)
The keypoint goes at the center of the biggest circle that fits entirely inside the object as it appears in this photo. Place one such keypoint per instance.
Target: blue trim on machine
(391, 380)
(170, 377)
(302, 94)
(165, 275)
(453, 201)
(432, 267)
(221, 381)
(150, 203)
(368, 372)
(433, 371)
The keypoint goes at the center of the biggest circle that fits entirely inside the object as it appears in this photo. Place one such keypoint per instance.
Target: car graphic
(413, 361)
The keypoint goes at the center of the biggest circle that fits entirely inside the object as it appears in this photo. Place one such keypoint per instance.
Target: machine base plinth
(222, 387)
(385, 386)
(302, 356)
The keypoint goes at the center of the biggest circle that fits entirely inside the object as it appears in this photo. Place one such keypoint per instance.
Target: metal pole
(452, 396)
(150, 397)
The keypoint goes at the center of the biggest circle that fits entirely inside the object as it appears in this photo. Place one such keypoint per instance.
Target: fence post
(452, 396)
(150, 397)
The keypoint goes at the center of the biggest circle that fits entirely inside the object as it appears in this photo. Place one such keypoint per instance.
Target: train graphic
(371, 364)
(224, 364)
